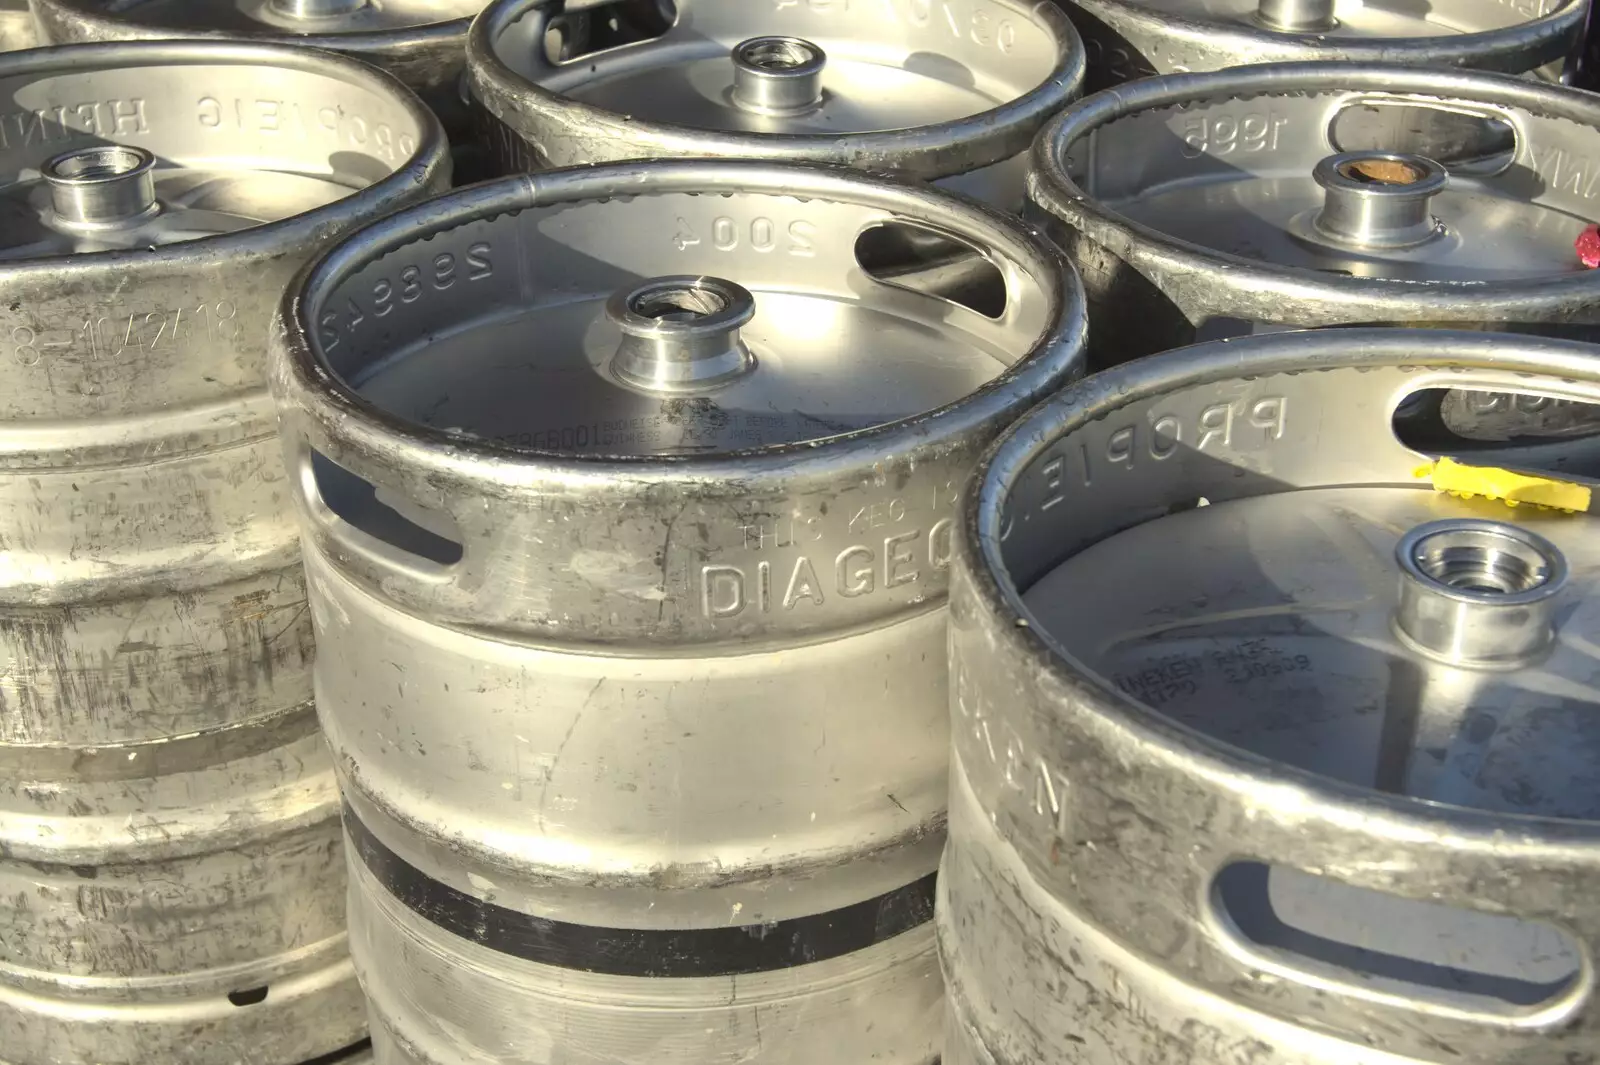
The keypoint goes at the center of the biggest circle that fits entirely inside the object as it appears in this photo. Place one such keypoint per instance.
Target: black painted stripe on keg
(651, 952)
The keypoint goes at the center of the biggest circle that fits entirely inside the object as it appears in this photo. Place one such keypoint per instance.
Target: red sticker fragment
(1588, 246)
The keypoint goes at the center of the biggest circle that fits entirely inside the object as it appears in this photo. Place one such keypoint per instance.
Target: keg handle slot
(1427, 956)
(566, 31)
(1467, 142)
(380, 524)
(1528, 430)
(933, 263)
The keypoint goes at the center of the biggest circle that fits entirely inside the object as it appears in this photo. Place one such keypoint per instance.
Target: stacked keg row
(630, 488)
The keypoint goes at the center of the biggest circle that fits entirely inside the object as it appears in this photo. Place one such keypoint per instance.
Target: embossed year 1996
(1224, 135)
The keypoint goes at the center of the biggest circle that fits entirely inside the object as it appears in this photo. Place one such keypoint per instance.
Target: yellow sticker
(1508, 486)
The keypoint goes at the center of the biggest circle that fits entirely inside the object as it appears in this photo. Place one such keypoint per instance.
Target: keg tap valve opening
(1478, 593)
(101, 187)
(681, 334)
(1296, 16)
(1378, 200)
(315, 9)
(778, 75)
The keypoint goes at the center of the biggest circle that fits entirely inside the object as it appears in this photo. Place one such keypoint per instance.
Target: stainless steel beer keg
(171, 884)
(1127, 40)
(419, 41)
(1268, 750)
(1208, 205)
(627, 493)
(950, 90)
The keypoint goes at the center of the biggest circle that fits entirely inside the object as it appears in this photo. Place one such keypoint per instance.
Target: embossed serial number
(413, 281)
(107, 336)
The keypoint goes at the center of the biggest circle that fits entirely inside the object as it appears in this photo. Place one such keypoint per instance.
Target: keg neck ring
(1478, 594)
(312, 10)
(681, 333)
(1378, 200)
(102, 187)
(778, 75)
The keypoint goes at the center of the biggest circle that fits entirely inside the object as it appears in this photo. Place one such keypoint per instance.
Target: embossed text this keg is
(171, 886)
(1208, 205)
(629, 591)
(1129, 39)
(1325, 798)
(947, 89)
(418, 41)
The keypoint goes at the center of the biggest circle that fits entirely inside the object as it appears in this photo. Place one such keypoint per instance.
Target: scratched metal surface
(636, 696)
(1190, 205)
(168, 816)
(1233, 815)
(1160, 278)
(951, 91)
(419, 41)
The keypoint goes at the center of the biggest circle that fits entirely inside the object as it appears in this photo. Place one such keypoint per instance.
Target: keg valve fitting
(1296, 16)
(315, 9)
(1478, 593)
(1378, 200)
(103, 186)
(681, 334)
(777, 75)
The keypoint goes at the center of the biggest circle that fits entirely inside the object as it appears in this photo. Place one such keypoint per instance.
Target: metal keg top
(607, 346)
(115, 197)
(125, 174)
(1420, 645)
(1327, 612)
(1359, 171)
(278, 17)
(735, 67)
(1343, 19)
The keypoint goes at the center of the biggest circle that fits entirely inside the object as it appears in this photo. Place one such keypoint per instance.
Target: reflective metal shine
(418, 41)
(1199, 206)
(1131, 39)
(17, 30)
(890, 87)
(171, 884)
(1203, 205)
(1266, 751)
(632, 655)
